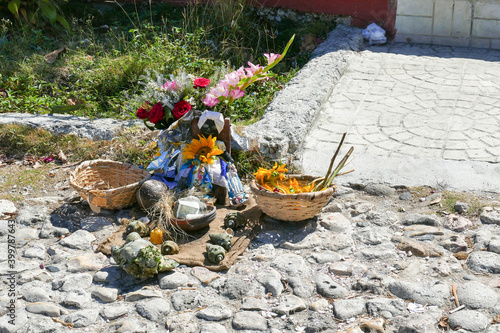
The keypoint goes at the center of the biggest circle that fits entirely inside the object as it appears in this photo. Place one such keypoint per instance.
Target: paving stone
(254, 304)
(215, 312)
(271, 280)
(476, 295)
(235, 288)
(349, 308)
(484, 262)
(155, 309)
(107, 295)
(141, 294)
(82, 318)
(183, 300)
(172, 280)
(247, 320)
(335, 222)
(470, 320)
(37, 251)
(184, 322)
(494, 245)
(328, 288)
(36, 294)
(412, 219)
(203, 274)
(80, 240)
(301, 287)
(212, 328)
(289, 304)
(290, 264)
(29, 215)
(113, 312)
(490, 215)
(432, 292)
(44, 308)
(87, 262)
(77, 298)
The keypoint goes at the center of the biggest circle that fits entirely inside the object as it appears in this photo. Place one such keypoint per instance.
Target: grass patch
(133, 145)
(475, 204)
(111, 47)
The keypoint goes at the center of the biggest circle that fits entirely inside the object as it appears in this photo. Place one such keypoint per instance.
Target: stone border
(97, 129)
(286, 121)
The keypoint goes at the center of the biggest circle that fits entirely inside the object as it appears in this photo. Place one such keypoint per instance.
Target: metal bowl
(196, 223)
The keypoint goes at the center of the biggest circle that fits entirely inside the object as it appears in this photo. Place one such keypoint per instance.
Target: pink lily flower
(232, 79)
(253, 69)
(170, 86)
(271, 57)
(210, 100)
(241, 72)
(222, 89)
(236, 93)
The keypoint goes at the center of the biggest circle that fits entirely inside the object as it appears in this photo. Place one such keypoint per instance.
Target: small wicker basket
(107, 184)
(292, 207)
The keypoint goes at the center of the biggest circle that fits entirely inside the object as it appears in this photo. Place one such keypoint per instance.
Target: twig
(454, 290)
(458, 309)
(70, 325)
(66, 165)
(320, 185)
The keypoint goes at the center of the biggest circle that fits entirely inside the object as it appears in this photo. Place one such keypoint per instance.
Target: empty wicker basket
(292, 207)
(108, 184)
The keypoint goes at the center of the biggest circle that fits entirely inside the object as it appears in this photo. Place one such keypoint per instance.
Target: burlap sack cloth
(194, 252)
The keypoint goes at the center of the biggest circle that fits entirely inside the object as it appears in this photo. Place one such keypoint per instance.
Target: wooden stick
(454, 290)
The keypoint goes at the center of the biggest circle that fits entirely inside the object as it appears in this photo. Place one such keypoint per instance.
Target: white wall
(473, 23)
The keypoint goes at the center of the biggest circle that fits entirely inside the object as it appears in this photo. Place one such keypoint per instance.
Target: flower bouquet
(168, 99)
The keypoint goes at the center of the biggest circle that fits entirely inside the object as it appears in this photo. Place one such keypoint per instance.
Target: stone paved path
(412, 113)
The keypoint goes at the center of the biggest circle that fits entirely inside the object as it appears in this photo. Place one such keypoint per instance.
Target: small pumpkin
(156, 236)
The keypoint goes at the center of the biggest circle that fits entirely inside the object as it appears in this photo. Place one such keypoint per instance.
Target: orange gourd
(156, 236)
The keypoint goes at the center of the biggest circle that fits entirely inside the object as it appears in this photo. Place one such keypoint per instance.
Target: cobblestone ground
(427, 102)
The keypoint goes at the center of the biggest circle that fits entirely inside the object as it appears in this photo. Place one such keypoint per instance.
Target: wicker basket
(108, 184)
(292, 207)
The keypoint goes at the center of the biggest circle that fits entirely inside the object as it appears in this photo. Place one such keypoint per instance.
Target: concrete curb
(282, 129)
(97, 129)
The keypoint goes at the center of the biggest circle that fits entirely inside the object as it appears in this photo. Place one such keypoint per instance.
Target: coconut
(150, 193)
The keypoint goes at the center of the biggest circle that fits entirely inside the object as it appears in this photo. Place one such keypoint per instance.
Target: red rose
(201, 82)
(180, 109)
(142, 113)
(157, 113)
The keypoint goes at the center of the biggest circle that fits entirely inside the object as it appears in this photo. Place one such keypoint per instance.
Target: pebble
(290, 264)
(494, 245)
(37, 251)
(73, 282)
(247, 320)
(373, 236)
(457, 223)
(324, 257)
(406, 196)
(320, 305)
(385, 307)
(469, 320)
(108, 274)
(461, 207)
(80, 240)
(88, 262)
(155, 309)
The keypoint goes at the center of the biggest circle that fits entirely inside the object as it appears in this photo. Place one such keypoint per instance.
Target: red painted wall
(363, 12)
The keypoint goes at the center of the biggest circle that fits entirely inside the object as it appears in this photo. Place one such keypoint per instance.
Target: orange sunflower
(204, 149)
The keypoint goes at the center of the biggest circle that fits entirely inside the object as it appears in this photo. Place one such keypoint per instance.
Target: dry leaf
(62, 157)
(496, 320)
(52, 56)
